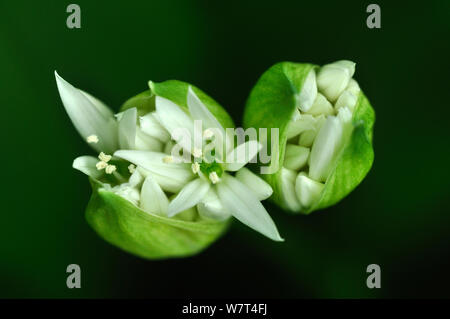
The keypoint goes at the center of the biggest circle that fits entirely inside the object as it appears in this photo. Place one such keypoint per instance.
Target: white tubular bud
(348, 99)
(288, 189)
(295, 157)
(307, 190)
(321, 106)
(333, 78)
(308, 92)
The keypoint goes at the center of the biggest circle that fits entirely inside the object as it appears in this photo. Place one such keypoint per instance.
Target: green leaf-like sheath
(150, 236)
(147, 235)
(271, 104)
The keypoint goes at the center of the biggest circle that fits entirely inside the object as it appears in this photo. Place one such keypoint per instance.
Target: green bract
(147, 235)
(324, 124)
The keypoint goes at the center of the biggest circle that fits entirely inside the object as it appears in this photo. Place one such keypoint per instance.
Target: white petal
(170, 176)
(146, 142)
(211, 207)
(308, 93)
(321, 106)
(176, 121)
(89, 118)
(348, 99)
(241, 155)
(244, 206)
(295, 157)
(332, 79)
(150, 125)
(126, 191)
(259, 187)
(101, 107)
(353, 87)
(136, 179)
(127, 129)
(288, 189)
(153, 199)
(324, 149)
(307, 138)
(189, 196)
(200, 112)
(86, 164)
(307, 190)
(304, 123)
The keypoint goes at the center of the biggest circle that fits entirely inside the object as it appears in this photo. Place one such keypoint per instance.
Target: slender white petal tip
(307, 190)
(92, 139)
(333, 78)
(308, 93)
(104, 158)
(244, 206)
(195, 167)
(110, 169)
(131, 168)
(101, 165)
(87, 165)
(89, 115)
(214, 178)
(256, 184)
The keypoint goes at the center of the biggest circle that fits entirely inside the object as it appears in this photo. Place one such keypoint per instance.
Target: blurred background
(398, 217)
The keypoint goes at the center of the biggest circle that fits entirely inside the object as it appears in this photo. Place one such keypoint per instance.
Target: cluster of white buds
(317, 131)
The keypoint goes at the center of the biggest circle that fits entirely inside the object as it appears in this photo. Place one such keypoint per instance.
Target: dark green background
(397, 218)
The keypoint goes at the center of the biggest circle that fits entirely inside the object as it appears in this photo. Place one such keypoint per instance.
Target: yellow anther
(110, 169)
(103, 157)
(92, 139)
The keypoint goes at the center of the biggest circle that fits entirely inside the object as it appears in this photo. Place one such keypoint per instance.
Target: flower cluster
(317, 132)
(154, 161)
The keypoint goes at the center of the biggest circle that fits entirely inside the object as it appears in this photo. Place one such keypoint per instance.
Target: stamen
(195, 167)
(110, 169)
(208, 133)
(197, 153)
(101, 165)
(131, 168)
(92, 139)
(168, 159)
(214, 177)
(103, 157)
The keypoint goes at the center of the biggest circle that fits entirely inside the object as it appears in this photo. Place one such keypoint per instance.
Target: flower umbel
(141, 181)
(325, 124)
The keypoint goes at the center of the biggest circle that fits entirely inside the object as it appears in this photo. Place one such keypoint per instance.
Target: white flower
(209, 186)
(205, 184)
(316, 134)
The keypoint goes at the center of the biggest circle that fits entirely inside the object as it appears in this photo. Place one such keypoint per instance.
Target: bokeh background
(398, 217)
